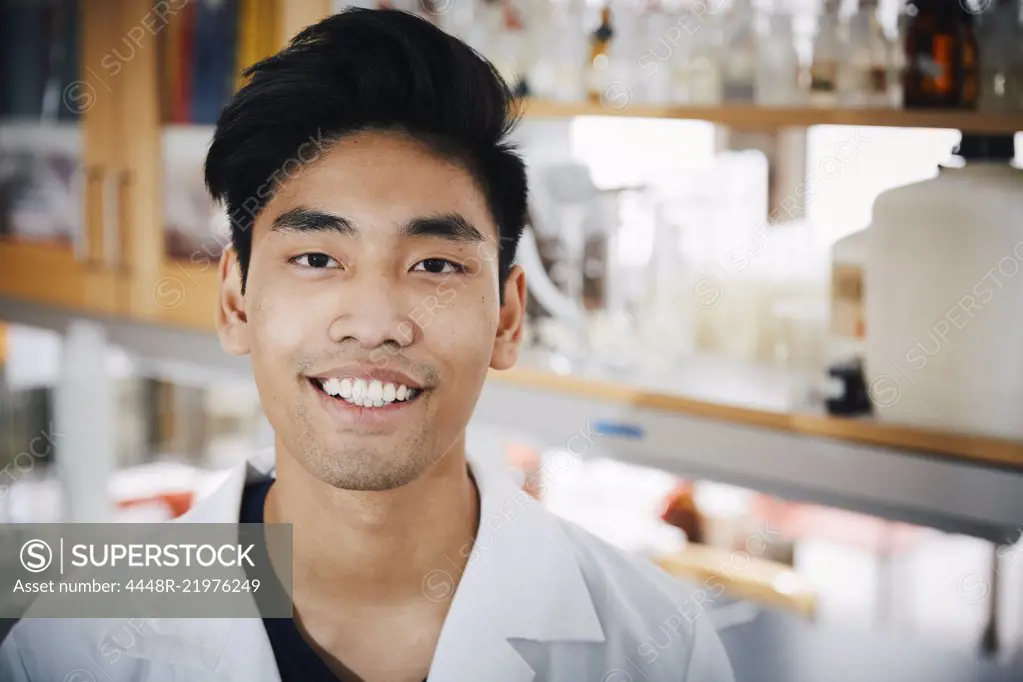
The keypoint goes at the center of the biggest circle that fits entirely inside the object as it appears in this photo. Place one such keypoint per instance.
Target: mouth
(366, 394)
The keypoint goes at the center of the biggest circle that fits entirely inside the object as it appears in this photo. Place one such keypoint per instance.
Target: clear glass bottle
(778, 64)
(1000, 36)
(897, 63)
(510, 49)
(969, 56)
(863, 76)
(703, 66)
(827, 54)
(660, 43)
(570, 52)
(542, 55)
(739, 66)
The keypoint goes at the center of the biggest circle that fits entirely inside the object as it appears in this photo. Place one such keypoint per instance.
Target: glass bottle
(827, 47)
(509, 49)
(778, 64)
(864, 69)
(897, 60)
(599, 61)
(662, 49)
(703, 65)
(969, 60)
(739, 66)
(1000, 36)
(569, 53)
(542, 57)
(941, 56)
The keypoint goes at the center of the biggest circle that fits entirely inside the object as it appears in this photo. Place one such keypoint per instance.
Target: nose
(371, 311)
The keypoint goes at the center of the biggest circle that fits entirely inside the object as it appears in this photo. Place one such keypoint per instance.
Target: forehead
(383, 180)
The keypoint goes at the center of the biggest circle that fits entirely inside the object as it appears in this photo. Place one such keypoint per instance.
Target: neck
(375, 547)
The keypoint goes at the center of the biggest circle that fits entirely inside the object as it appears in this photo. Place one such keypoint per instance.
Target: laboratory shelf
(620, 103)
(760, 396)
(738, 423)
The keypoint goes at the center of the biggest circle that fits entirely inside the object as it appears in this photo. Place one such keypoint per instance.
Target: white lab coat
(540, 599)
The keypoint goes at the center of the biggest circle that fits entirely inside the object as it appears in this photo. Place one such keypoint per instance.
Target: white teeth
(365, 393)
(332, 387)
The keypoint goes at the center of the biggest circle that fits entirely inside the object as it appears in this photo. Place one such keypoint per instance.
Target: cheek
(280, 329)
(463, 333)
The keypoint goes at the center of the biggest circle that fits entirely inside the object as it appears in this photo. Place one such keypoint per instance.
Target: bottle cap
(977, 147)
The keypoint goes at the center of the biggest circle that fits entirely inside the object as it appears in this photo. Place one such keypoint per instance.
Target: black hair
(366, 70)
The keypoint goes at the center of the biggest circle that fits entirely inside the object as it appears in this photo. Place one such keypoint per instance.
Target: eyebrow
(309, 220)
(451, 227)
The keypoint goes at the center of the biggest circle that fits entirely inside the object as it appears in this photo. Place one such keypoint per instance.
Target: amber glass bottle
(942, 70)
(598, 64)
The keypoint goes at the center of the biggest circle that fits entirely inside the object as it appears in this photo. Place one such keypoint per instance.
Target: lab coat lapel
(224, 505)
(522, 581)
(232, 649)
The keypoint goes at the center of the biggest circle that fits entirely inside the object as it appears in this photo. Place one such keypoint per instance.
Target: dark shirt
(297, 661)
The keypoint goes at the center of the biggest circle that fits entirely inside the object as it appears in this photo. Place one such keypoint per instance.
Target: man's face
(371, 310)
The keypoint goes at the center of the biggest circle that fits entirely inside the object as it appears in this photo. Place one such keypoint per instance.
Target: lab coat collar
(522, 580)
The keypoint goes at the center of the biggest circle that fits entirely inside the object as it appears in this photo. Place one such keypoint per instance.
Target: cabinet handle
(92, 202)
(111, 216)
(81, 188)
(122, 238)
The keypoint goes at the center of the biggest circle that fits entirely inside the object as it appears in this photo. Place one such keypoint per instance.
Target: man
(376, 206)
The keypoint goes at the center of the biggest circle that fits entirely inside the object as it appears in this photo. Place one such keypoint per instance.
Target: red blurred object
(680, 511)
(177, 503)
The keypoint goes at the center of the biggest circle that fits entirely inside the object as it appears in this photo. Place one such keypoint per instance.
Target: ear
(509, 328)
(232, 322)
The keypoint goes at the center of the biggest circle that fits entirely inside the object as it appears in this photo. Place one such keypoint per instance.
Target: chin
(367, 469)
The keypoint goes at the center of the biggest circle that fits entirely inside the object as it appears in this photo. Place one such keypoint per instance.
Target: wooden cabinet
(62, 183)
(120, 237)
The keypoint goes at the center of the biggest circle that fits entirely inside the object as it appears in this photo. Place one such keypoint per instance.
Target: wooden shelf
(866, 431)
(769, 118)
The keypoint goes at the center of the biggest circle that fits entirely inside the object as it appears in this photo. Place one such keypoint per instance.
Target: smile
(363, 393)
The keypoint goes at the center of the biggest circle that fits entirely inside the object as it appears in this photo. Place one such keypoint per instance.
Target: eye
(315, 261)
(438, 266)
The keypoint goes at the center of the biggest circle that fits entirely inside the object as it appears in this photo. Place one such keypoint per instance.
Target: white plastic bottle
(778, 64)
(944, 295)
(827, 48)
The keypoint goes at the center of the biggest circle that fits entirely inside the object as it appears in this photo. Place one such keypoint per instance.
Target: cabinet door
(177, 91)
(59, 190)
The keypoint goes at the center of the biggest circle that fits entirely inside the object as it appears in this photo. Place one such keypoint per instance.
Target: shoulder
(656, 620)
